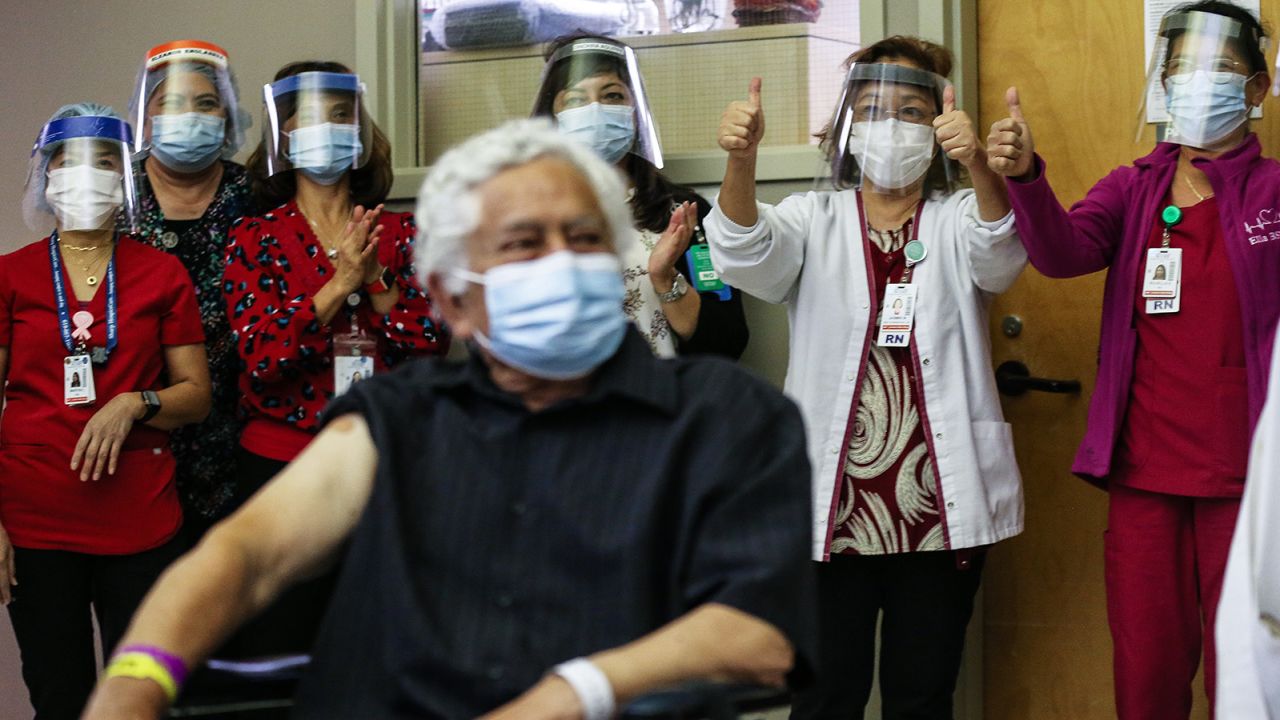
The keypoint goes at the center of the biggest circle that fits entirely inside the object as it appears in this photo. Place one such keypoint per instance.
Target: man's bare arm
(287, 532)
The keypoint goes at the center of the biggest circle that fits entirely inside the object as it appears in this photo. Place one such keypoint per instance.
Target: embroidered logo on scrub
(1259, 231)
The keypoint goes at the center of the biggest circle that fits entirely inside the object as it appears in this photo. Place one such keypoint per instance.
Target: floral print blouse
(205, 451)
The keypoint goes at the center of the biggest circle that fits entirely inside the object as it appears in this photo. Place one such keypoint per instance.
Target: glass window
(481, 62)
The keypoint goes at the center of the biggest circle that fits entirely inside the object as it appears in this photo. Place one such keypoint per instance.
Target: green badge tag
(1171, 215)
(705, 278)
(914, 252)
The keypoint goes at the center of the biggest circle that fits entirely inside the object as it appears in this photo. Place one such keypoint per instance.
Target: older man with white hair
(549, 530)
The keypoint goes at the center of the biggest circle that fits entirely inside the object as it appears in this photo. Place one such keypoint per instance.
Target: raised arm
(741, 130)
(287, 532)
(402, 313)
(1059, 243)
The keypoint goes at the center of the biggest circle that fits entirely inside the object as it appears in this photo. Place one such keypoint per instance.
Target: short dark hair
(925, 55)
(1249, 46)
(370, 182)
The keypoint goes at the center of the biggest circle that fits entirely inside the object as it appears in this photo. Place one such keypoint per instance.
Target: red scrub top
(43, 503)
(1187, 429)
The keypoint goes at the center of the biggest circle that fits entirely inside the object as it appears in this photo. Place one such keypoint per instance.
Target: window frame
(387, 60)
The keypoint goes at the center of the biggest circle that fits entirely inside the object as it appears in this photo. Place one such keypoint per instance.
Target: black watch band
(152, 402)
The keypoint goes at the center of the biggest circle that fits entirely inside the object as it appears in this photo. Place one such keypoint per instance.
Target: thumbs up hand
(954, 132)
(742, 125)
(1010, 149)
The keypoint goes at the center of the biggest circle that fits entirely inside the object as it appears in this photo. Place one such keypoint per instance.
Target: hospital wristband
(592, 687)
(174, 664)
(141, 666)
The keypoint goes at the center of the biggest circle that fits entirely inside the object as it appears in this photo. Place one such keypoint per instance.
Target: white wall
(59, 51)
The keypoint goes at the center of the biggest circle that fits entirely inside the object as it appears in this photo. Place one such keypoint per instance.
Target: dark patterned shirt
(275, 265)
(498, 541)
(206, 451)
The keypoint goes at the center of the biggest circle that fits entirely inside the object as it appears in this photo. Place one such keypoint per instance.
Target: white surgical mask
(84, 197)
(1207, 106)
(890, 153)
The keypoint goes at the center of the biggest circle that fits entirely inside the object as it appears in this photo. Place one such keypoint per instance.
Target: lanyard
(64, 311)
(914, 251)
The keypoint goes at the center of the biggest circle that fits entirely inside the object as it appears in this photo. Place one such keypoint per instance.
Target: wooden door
(1077, 64)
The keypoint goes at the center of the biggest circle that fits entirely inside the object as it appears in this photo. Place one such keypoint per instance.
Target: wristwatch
(151, 401)
(385, 281)
(678, 288)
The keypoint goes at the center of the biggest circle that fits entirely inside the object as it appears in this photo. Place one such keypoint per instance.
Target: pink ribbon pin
(82, 321)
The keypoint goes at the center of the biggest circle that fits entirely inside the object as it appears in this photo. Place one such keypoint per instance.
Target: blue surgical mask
(610, 130)
(558, 317)
(325, 152)
(189, 142)
(1206, 107)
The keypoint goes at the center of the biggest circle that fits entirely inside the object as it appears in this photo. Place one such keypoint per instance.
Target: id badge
(77, 380)
(352, 361)
(897, 315)
(705, 278)
(1160, 279)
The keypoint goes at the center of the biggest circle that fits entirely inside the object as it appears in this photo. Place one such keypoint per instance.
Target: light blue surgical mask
(558, 317)
(610, 130)
(1205, 107)
(325, 152)
(188, 142)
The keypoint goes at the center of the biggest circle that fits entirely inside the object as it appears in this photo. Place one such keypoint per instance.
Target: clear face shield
(184, 107)
(1197, 80)
(596, 94)
(316, 124)
(882, 137)
(81, 176)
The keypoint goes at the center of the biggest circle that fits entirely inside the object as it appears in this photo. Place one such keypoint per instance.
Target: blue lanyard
(64, 312)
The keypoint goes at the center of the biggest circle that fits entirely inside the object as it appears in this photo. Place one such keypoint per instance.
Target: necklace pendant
(169, 239)
(91, 280)
(332, 253)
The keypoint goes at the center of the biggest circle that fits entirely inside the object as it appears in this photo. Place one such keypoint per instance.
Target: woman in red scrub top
(102, 348)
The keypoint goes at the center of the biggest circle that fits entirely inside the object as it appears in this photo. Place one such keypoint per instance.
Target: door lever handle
(1013, 379)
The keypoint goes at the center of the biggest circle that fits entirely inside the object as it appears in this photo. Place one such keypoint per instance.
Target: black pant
(926, 600)
(50, 614)
(290, 624)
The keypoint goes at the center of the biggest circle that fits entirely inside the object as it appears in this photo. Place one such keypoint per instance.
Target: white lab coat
(808, 253)
(1248, 644)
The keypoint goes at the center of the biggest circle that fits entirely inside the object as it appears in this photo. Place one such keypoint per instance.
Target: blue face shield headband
(116, 132)
(323, 150)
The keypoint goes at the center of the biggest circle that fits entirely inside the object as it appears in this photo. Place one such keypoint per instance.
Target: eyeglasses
(1179, 70)
(909, 114)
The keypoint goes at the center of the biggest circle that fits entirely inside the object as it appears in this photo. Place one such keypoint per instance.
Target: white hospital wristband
(592, 686)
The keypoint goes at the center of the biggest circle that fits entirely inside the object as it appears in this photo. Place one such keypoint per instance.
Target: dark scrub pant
(926, 600)
(50, 612)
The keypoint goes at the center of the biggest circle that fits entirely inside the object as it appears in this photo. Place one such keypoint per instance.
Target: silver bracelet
(592, 686)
